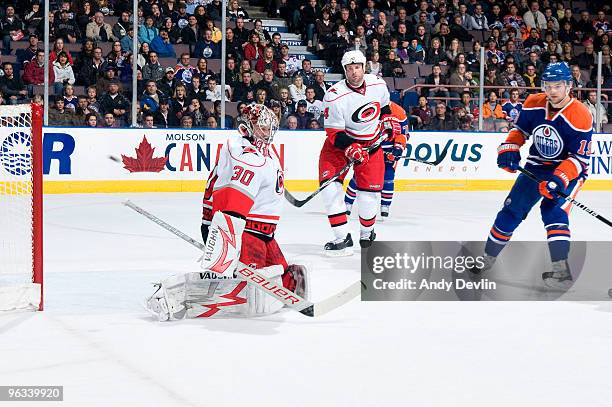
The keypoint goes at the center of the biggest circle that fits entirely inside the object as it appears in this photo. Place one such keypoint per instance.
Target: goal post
(21, 207)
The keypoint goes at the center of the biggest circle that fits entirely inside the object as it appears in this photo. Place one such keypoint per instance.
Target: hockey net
(21, 276)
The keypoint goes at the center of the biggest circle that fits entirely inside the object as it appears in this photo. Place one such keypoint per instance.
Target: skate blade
(339, 253)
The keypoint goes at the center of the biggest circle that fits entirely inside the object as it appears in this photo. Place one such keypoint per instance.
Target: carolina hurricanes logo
(221, 265)
(233, 297)
(280, 182)
(547, 141)
(366, 113)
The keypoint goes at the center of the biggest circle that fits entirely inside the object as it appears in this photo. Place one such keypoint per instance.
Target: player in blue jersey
(392, 149)
(560, 128)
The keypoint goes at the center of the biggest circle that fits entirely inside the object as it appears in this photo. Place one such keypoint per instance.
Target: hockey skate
(560, 276)
(366, 239)
(488, 262)
(384, 211)
(339, 247)
(348, 209)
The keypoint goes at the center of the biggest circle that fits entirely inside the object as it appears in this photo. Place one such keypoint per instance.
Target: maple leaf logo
(144, 161)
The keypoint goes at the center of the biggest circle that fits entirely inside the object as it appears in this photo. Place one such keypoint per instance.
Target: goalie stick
(250, 275)
(568, 198)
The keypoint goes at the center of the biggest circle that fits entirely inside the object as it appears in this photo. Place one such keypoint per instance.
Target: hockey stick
(251, 276)
(568, 198)
(299, 203)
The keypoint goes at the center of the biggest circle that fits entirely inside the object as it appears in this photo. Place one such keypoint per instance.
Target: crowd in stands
(427, 51)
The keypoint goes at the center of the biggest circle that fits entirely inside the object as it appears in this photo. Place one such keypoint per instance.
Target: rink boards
(76, 160)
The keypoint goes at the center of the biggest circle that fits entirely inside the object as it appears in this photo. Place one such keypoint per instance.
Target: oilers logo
(547, 141)
(15, 154)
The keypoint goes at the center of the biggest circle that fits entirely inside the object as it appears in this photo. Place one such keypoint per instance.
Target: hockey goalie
(241, 209)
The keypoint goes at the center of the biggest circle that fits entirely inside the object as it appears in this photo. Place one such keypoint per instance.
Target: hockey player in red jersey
(560, 127)
(241, 208)
(356, 112)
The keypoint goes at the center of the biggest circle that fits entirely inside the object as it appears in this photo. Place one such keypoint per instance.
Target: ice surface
(96, 340)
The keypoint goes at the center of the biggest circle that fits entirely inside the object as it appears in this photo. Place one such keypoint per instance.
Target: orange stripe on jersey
(231, 200)
(535, 100)
(499, 235)
(578, 116)
(397, 111)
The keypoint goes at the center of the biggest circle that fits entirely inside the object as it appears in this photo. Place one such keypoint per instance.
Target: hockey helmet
(257, 123)
(557, 71)
(353, 57)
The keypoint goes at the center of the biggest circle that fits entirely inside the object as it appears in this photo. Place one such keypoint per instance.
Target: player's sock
(386, 197)
(351, 194)
(366, 239)
(368, 208)
(558, 235)
(336, 209)
(384, 211)
(496, 241)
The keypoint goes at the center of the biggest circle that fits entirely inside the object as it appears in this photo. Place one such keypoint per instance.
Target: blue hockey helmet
(557, 71)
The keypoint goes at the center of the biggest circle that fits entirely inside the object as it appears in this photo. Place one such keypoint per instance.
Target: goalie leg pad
(223, 244)
(167, 303)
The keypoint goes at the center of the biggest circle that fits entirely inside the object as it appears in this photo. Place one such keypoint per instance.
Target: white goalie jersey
(356, 111)
(247, 182)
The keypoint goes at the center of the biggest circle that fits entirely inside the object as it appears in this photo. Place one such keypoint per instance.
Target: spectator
(261, 97)
(11, 28)
(513, 106)
(29, 53)
(98, 30)
(577, 82)
(436, 54)
(472, 59)
(127, 41)
(493, 116)
(307, 73)
(202, 70)
(153, 69)
(184, 71)
(478, 21)
(12, 87)
(373, 66)
(71, 101)
(511, 78)
(163, 118)
(216, 32)
(67, 28)
(593, 106)
(416, 52)
(254, 50)
(108, 76)
(149, 99)
(442, 121)
(292, 63)
(186, 122)
(584, 26)
(162, 45)
(34, 71)
(217, 115)
(58, 46)
(167, 84)
(85, 15)
(313, 106)
(241, 33)
(147, 31)
(532, 79)
(92, 100)
(191, 32)
(92, 70)
(116, 55)
(245, 90)
(123, 25)
(213, 9)
(436, 78)
(34, 16)
(110, 122)
(194, 110)
(235, 11)
(460, 81)
(266, 61)
(211, 122)
(82, 110)
(59, 116)
(213, 90)
(147, 121)
(179, 101)
(534, 19)
(297, 89)
(267, 83)
(392, 67)
(292, 122)
(234, 48)
(422, 113)
(115, 103)
(282, 79)
(174, 32)
(464, 120)
(91, 120)
(206, 47)
(320, 87)
(491, 79)
(534, 42)
(585, 60)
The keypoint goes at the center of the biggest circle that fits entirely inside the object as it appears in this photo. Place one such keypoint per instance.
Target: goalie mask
(258, 124)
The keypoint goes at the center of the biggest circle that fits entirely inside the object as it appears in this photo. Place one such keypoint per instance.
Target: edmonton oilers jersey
(400, 114)
(556, 135)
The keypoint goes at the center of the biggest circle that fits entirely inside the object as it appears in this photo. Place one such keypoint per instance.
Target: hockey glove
(392, 126)
(355, 152)
(550, 189)
(508, 156)
(395, 153)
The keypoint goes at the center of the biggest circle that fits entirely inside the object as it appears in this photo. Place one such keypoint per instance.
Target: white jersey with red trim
(247, 182)
(355, 111)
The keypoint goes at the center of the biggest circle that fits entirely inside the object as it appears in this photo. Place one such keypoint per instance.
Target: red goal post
(21, 207)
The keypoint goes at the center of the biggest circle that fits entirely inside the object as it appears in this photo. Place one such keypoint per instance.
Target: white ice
(96, 340)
